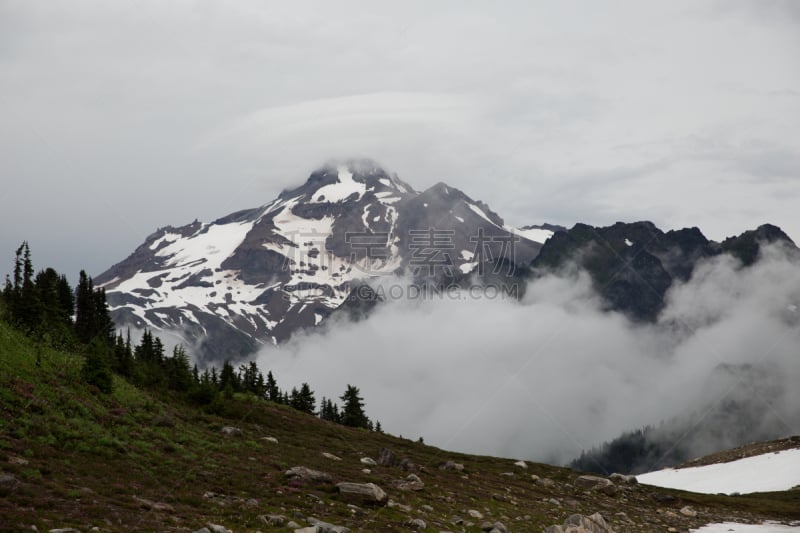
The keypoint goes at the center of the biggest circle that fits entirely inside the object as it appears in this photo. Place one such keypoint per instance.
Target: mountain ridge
(256, 276)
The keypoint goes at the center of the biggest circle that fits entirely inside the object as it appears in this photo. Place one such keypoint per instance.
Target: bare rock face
(578, 523)
(368, 494)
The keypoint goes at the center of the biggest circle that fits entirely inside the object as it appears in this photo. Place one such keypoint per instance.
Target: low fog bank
(548, 377)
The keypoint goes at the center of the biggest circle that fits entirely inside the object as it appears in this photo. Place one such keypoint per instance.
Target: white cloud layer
(553, 375)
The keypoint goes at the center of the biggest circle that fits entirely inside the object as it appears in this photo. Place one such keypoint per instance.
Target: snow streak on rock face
(258, 275)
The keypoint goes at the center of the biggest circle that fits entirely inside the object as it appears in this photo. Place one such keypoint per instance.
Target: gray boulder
(451, 465)
(596, 483)
(231, 431)
(623, 479)
(578, 523)
(306, 474)
(412, 482)
(387, 457)
(273, 519)
(417, 523)
(363, 493)
(7, 483)
(325, 527)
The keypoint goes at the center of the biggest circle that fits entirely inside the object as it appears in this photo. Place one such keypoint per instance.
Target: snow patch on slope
(336, 192)
(761, 473)
(533, 234)
(728, 527)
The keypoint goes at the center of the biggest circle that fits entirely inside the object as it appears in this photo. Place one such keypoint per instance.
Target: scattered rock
(407, 465)
(293, 525)
(276, 520)
(623, 479)
(450, 465)
(477, 515)
(497, 527)
(306, 474)
(578, 523)
(664, 499)
(14, 460)
(366, 470)
(216, 528)
(417, 523)
(7, 483)
(154, 506)
(521, 464)
(688, 511)
(507, 474)
(330, 456)
(272, 440)
(364, 493)
(325, 527)
(427, 508)
(231, 431)
(387, 457)
(412, 482)
(545, 482)
(368, 461)
(394, 505)
(596, 483)
(64, 530)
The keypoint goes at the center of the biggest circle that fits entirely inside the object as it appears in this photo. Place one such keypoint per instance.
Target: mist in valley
(554, 374)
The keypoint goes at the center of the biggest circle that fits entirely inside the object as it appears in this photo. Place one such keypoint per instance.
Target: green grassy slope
(81, 459)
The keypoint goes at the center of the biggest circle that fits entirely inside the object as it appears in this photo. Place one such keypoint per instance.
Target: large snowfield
(761, 473)
(733, 527)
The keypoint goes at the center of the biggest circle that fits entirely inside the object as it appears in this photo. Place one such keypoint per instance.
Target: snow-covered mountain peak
(260, 274)
(347, 182)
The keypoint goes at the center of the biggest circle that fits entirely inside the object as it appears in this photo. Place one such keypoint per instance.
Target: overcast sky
(117, 118)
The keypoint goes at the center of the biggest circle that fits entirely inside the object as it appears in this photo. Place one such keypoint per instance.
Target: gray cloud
(158, 114)
(548, 377)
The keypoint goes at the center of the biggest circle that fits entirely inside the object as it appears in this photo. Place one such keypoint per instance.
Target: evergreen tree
(91, 312)
(96, 367)
(84, 309)
(378, 428)
(179, 374)
(273, 392)
(123, 358)
(304, 400)
(353, 408)
(228, 378)
(260, 385)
